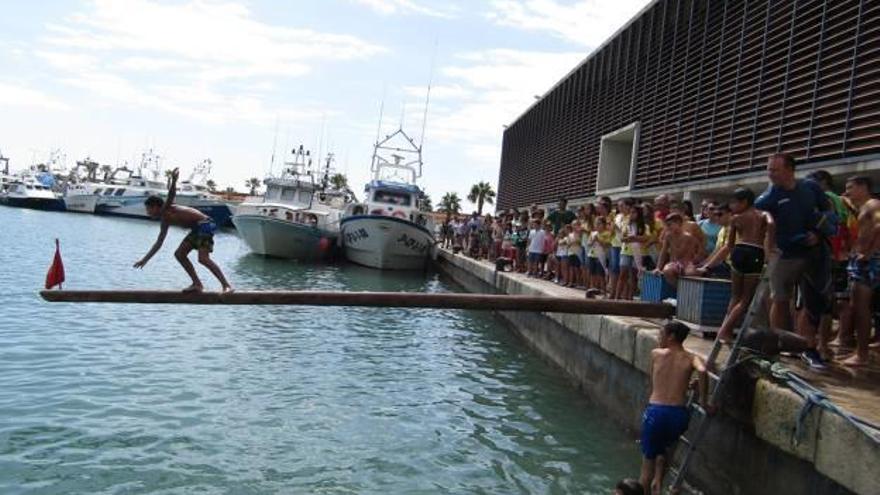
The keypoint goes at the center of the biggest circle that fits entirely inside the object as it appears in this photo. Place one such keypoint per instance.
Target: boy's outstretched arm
(163, 231)
(172, 190)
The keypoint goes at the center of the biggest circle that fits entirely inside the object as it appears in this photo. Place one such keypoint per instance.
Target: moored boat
(27, 192)
(296, 218)
(388, 230)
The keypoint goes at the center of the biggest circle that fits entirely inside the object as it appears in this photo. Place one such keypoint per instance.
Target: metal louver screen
(716, 86)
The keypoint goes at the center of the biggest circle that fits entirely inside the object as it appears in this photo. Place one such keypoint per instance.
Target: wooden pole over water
(489, 302)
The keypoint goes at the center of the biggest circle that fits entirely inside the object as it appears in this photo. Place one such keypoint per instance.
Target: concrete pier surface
(763, 442)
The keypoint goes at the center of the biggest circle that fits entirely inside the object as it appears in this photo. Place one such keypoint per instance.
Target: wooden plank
(490, 302)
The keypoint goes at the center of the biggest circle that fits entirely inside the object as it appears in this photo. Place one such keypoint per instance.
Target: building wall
(716, 86)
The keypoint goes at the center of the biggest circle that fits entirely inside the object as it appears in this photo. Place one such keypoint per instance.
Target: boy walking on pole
(200, 238)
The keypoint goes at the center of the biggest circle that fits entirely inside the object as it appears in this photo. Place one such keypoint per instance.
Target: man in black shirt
(561, 217)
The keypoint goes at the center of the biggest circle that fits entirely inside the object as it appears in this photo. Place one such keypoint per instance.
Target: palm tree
(482, 192)
(253, 183)
(425, 203)
(450, 204)
(339, 182)
(211, 185)
(168, 178)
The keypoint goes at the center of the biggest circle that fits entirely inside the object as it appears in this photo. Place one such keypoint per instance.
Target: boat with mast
(389, 230)
(81, 191)
(195, 193)
(34, 188)
(298, 216)
(125, 190)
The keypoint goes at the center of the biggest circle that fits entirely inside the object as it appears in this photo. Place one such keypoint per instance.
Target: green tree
(339, 182)
(253, 184)
(482, 193)
(450, 204)
(425, 203)
(211, 185)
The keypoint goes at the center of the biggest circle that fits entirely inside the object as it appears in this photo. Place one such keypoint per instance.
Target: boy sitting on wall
(679, 251)
(666, 418)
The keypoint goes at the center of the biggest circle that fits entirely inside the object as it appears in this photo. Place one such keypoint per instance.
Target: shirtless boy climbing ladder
(200, 238)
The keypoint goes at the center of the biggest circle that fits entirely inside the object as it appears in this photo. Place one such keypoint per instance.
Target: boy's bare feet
(194, 288)
(855, 361)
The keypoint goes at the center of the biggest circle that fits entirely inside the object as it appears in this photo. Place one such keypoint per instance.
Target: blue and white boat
(124, 196)
(389, 230)
(194, 192)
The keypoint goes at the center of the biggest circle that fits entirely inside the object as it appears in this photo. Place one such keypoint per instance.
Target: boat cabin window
(288, 194)
(119, 192)
(392, 198)
(29, 187)
(109, 192)
(98, 191)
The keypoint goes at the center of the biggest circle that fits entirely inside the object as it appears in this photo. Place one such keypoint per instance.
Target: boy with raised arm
(200, 238)
(666, 418)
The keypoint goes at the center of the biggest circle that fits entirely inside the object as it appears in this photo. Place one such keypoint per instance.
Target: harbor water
(239, 400)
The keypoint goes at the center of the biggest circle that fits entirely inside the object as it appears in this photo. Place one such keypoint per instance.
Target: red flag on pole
(55, 276)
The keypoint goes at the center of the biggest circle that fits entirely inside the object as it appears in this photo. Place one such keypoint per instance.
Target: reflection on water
(176, 399)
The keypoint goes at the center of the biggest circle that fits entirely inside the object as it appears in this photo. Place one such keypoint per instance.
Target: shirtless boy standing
(750, 237)
(666, 418)
(200, 238)
(864, 264)
(678, 252)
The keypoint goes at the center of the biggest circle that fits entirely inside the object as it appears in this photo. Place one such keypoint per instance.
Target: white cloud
(14, 95)
(388, 7)
(584, 22)
(116, 48)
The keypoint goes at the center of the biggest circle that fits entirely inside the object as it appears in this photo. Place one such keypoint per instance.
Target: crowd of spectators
(822, 246)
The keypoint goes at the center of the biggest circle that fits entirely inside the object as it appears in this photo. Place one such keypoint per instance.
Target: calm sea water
(174, 399)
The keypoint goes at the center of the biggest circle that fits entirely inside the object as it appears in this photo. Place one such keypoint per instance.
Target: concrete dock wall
(747, 450)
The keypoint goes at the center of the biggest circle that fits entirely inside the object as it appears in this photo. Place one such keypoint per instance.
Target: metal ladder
(690, 444)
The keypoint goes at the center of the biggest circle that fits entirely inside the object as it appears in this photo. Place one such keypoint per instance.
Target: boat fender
(399, 214)
(377, 212)
(324, 244)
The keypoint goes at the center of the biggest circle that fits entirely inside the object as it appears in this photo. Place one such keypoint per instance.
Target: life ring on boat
(378, 212)
(398, 214)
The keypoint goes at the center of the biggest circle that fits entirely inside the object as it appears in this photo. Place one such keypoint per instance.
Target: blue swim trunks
(865, 272)
(661, 427)
(202, 235)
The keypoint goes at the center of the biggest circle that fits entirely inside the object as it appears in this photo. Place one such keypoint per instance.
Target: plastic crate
(654, 288)
(702, 301)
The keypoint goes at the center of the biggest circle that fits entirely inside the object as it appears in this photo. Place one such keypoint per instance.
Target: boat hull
(45, 204)
(84, 203)
(219, 211)
(281, 239)
(133, 207)
(386, 243)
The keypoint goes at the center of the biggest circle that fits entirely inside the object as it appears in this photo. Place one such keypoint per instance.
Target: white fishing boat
(388, 230)
(195, 193)
(27, 192)
(81, 191)
(297, 217)
(125, 191)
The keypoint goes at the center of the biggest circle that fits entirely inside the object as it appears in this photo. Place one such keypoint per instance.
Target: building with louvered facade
(692, 96)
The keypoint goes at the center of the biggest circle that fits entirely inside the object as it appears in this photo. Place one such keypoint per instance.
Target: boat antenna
(402, 113)
(381, 114)
(274, 145)
(428, 94)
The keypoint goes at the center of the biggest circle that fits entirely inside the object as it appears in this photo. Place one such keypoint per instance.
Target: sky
(233, 80)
